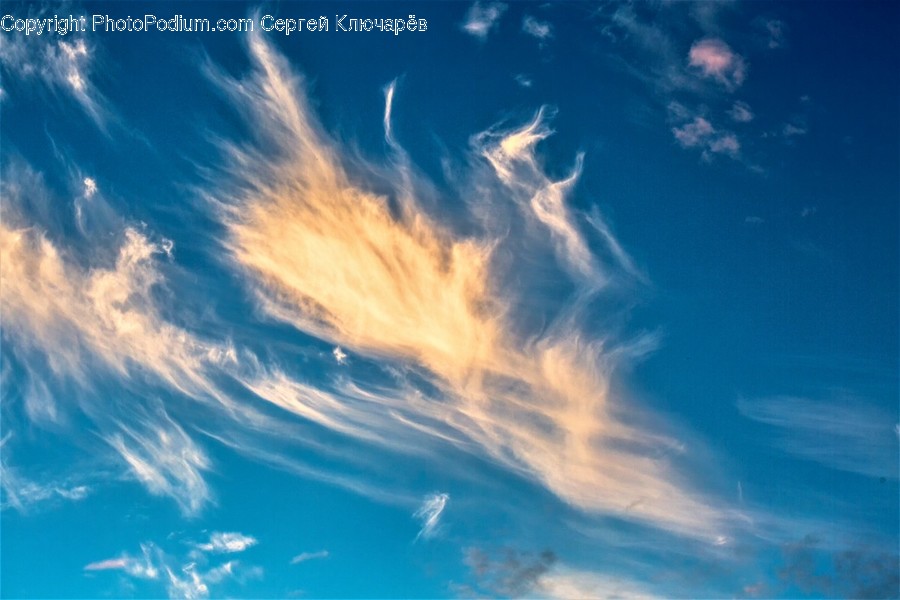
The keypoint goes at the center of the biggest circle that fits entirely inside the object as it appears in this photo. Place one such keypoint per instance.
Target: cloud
(188, 577)
(305, 556)
(695, 131)
(377, 275)
(791, 130)
(23, 494)
(740, 112)
(714, 58)
(141, 567)
(227, 542)
(190, 586)
(511, 153)
(754, 220)
(700, 133)
(860, 571)
(524, 80)
(844, 433)
(90, 187)
(429, 513)
(565, 583)
(62, 66)
(482, 19)
(516, 574)
(83, 321)
(71, 315)
(339, 355)
(535, 28)
(166, 461)
(776, 33)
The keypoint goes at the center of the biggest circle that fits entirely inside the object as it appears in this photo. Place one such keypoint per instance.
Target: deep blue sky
(548, 300)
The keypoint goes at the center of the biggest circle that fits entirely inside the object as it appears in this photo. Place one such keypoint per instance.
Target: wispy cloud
(22, 493)
(411, 292)
(845, 432)
(481, 19)
(714, 58)
(63, 66)
(430, 514)
(187, 577)
(141, 567)
(741, 113)
(776, 31)
(227, 542)
(524, 80)
(166, 460)
(535, 28)
(512, 154)
(305, 556)
(74, 311)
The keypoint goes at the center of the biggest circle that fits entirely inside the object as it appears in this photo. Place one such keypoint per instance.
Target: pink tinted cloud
(700, 133)
(714, 58)
(107, 565)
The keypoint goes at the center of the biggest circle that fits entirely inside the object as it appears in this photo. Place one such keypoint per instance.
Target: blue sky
(547, 300)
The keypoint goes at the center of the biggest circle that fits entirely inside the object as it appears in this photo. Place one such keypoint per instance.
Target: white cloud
(305, 556)
(90, 187)
(187, 577)
(62, 66)
(714, 58)
(227, 542)
(511, 153)
(23, 494)
(482, 19)
(142, 567)
(429, 513)
(190, 586)
(339, 355)
(791, 130)
(524, 80)
(539, 29)
(166, 461)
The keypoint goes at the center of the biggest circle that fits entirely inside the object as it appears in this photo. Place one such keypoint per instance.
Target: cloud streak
(430, 514)
(843, 433)
(305, 556)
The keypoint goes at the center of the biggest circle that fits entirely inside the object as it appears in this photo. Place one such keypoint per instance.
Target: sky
(438, 300)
